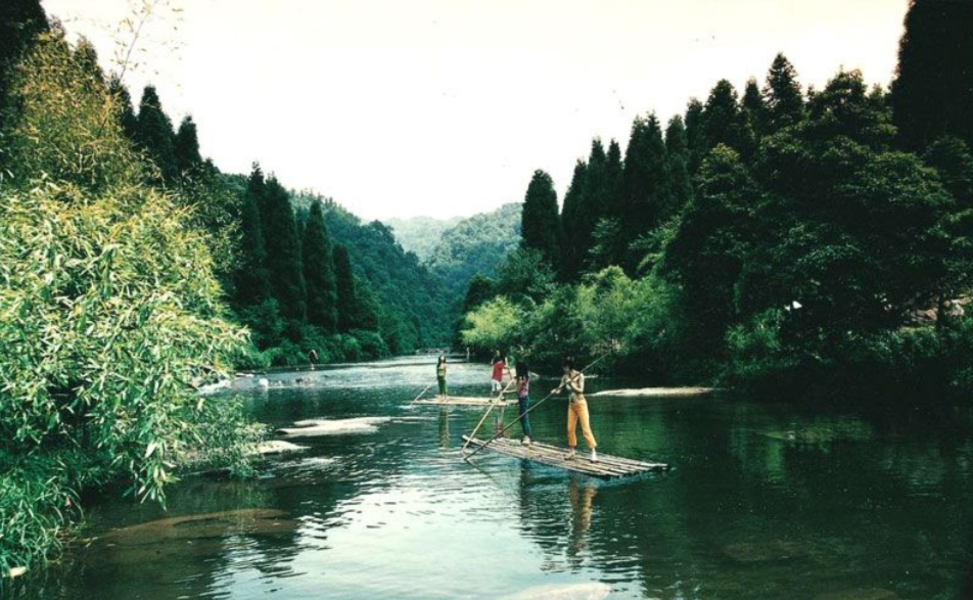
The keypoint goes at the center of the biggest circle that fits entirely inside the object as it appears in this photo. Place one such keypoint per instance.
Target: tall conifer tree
(754, 109)
(126, 113)
(615, 200)
(722, 117)
(643, 178)
(252, 280)
(695, 134)
(346, 302)
(571, 213)
(283, 252)
(540, 226)
(319, 274)
(678, 182)
(154, 134)
(782, 95)
(187, 146)
(932, 94)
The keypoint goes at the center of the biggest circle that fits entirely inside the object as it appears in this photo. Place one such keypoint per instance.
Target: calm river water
(764, 501)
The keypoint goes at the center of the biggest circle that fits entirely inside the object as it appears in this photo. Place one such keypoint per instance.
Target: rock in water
(859, 594)
(278, 447)
(318, 427)
(255, 521)
(574, 591)
(763, 552)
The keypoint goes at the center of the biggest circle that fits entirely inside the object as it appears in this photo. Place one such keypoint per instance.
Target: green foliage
(108, 311)
(21, 21)
(493, 324)
(723, 122)
(319, 272)
(154, 135)
(951, 158)
(572, 256)
(252, 278)
(393, 290)
(36, 509)
(283, 247)
(525, 273)
(60, 121)
(931, 94)
(540, 227)
(345, 295)
(643, 182)
(475, 245)
(782, 94)
(421, 235)
(186, 146)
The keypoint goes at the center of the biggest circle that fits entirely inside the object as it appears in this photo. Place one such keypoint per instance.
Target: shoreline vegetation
(776, 240)
(782, 239)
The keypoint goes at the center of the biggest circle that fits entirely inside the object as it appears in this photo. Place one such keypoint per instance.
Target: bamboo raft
(463, 401)
(607, 467)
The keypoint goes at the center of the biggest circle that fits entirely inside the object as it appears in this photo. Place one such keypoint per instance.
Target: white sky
(446, 107)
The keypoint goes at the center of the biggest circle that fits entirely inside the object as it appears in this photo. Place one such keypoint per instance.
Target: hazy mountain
(420, 234)
(475, 245)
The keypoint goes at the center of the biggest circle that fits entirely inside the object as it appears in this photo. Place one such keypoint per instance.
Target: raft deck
(607, 467)
(462, 401)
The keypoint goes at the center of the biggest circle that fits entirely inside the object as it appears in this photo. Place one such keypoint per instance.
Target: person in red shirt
(496, 379)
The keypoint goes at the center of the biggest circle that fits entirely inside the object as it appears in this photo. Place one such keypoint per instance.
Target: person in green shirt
(441, 375)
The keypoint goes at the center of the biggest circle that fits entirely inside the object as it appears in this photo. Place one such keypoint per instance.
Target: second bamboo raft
(462, 401)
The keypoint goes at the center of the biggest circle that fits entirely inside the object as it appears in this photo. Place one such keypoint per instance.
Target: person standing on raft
(523, 398)
(496, 379)
(577, 410)
(441, 375)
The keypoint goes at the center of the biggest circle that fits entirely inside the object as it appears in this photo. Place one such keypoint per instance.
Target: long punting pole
(420, 394)
(527, 412)
(483, 418)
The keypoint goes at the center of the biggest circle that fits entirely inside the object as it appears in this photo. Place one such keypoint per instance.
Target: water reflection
(765, 501)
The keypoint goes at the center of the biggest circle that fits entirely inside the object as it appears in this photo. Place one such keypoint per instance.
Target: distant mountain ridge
(457, 249)
(420, 235)
(477, 244)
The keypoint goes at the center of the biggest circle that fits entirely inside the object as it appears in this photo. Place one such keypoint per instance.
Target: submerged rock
(16, 572)
(319, 427)
(574, 591)
(763, 551)
(251, 521)
(859, 594)
(278, 447)
(823, 433)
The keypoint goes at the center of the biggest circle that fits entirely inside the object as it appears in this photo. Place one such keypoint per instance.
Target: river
(765, 500)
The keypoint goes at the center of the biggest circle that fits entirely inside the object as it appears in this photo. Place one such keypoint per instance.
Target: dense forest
(132, 271)
(813, 238)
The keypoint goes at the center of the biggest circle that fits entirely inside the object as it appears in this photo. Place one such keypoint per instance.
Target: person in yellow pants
(573, 380)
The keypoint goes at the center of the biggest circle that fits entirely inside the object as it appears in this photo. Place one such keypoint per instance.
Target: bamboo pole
(420, 394)
(483, 418)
